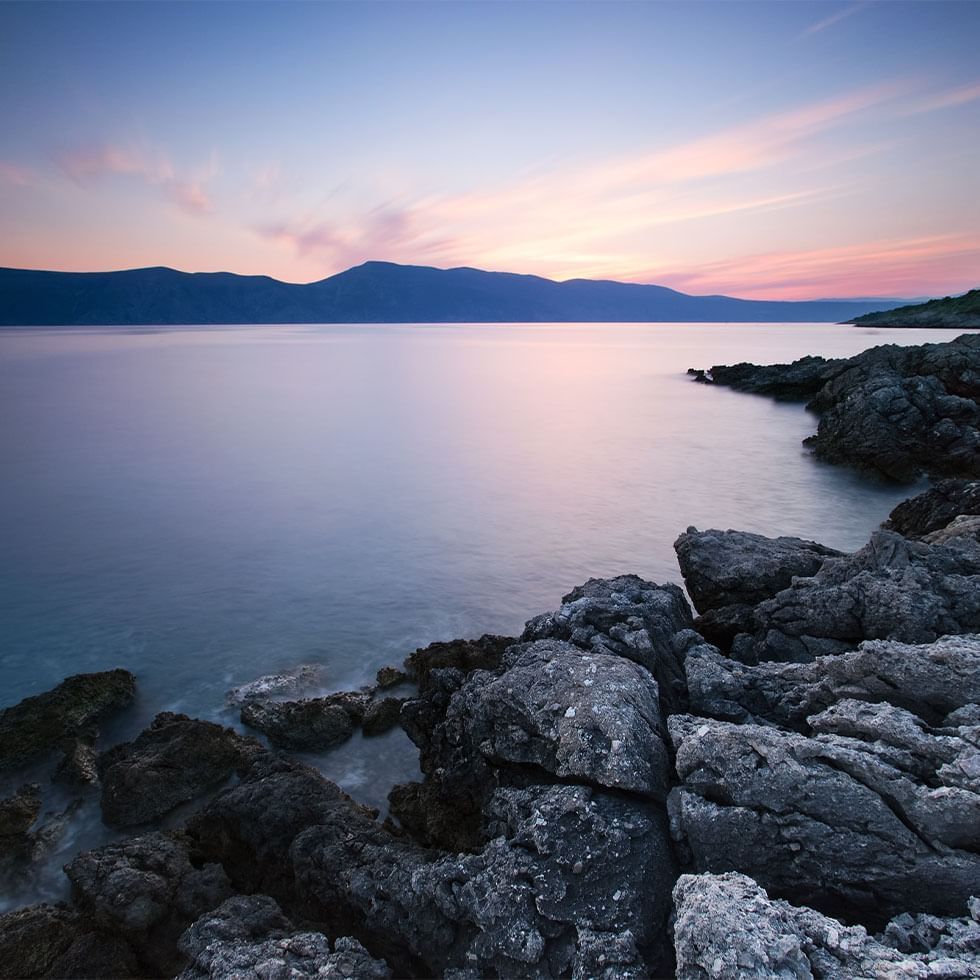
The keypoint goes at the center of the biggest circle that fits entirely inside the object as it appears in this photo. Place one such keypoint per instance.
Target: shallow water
(205, 505)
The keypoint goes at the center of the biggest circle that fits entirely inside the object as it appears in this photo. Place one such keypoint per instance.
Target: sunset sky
(783, 150)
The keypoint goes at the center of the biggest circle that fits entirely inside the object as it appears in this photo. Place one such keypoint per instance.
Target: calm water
(205, 505)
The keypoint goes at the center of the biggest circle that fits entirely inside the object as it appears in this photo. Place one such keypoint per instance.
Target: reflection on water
(205, 505)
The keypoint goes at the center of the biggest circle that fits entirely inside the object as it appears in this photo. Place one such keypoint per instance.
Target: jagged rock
(466, 655)
(175, 760)
(79, 766)
(934, 509)
(728, 573)
(381, 715)
(390, 677)
(566, 868)
(315, 723)
(289, 683)
(52, 941)
(150, 888)
(728, 928)
(248, 937)
(893, 588)
(627, 617)
(964, 526)
(18, 812)
(44, 722)
(847, 826)
(945, 938)
(897, 411)
(933, 680)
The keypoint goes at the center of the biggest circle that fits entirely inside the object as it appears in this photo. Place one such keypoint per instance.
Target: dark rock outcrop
(315, 723)
(465, 655)
(390, 677)
(57, 718)
(248, 937)
(856, 827)
(728, 928)
(148, 889)
(895, 411)
(52, 941)
(935, 509)
(893, 588)
(728, 573)
(381, 715)
(173, 761)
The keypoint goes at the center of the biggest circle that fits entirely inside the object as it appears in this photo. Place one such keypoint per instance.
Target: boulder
(727, 928)
(314, 723)
(173, 761)
(934, 509)
(248, 937)
(55, 719)
(288, 683)
(932, 680)
(465, 655)
(390, 677)
(148, 889)
(53, 941)
(631, 618)
(381, 715)
(893, 588)
(849, 825)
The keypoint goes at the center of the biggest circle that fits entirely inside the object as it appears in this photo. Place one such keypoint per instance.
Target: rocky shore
(783, 781)
(950, 313)
(897, 412)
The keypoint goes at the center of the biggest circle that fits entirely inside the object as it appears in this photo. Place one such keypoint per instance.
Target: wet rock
(381, 715)
(248, 937)
(315, 723)
(465, 655)
(728, 573)
(391, 677)
(289, 683)
(728, 928)
(933, 680)
(150, 889)
(18, 812)
(79, 766)
(934, 509)
(175, 760)
(44, 722)
(631, 618)
(893, 588)
(849, 827)
(896, 411)
(52, 941)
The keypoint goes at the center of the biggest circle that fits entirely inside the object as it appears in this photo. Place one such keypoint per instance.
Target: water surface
(204, 505)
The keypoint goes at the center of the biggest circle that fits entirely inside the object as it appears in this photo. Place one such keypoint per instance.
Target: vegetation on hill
(957, 312)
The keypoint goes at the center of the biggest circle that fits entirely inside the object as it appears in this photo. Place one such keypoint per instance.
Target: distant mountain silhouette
(951, 312)
(375, 292)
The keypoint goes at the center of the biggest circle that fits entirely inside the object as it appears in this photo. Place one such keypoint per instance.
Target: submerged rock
(248, 937)
(860, 829)
(728, 928)
(315, 723)
(288, 683)
(55, 719)
(173, 761)
(896, 411)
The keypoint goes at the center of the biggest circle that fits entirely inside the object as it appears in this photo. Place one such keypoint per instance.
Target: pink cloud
(84, 166)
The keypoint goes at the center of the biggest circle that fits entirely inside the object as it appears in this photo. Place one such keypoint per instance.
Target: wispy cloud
(836, 18)
(944, 100)
(188, 192)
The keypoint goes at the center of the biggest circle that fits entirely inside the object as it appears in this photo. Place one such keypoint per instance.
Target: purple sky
(770, 150)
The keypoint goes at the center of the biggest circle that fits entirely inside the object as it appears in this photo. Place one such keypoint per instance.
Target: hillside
(375, 292)
(955, 312)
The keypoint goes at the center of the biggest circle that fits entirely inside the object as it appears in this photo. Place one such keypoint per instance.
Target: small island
(953, 312)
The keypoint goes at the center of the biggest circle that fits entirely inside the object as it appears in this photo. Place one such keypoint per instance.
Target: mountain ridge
(376, 292)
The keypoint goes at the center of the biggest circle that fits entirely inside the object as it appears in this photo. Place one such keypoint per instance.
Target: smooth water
(205, 505)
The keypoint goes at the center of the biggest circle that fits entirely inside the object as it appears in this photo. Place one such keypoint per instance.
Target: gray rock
(381, 715)
(175, 760)
(150, 889)
(931, 679)
(52, 941)
(964, 526)
(40, 724)
(391, 677)
(893, 588)
(728, 928)
(248, 937)
(465, 655)
(631, 618)
(315, 723)
(289, 683)
(846, 826)
(935, 508)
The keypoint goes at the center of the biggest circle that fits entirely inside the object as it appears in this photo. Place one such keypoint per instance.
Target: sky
(781, 150)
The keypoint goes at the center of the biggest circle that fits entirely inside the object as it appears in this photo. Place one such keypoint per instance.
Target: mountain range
(376, 292)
